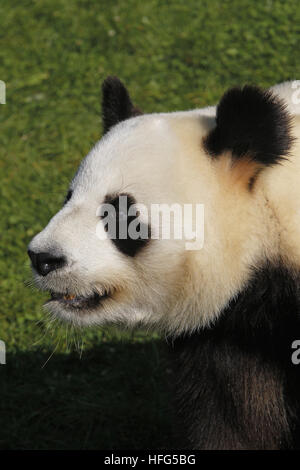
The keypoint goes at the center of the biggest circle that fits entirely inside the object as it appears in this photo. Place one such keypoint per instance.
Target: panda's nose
(44, 263)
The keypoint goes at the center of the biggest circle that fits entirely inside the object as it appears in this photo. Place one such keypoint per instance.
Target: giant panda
(231, 308)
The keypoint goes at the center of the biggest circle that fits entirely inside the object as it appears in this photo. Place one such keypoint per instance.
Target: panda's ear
(252, 125)
(116, 103)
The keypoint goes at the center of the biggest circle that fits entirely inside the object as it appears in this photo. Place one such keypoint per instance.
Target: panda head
(212, 159)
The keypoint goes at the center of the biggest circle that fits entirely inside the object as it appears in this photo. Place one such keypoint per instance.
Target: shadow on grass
(116, 396)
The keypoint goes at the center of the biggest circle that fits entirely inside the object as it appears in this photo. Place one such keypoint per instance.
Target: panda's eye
(119, 228)
(68, 196)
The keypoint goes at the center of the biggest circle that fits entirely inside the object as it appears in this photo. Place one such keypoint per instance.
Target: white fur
(290, 93)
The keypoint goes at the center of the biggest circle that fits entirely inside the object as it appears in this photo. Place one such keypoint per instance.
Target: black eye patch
(68, 196)
(118, 223)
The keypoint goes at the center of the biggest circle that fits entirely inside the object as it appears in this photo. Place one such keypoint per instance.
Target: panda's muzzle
(46, 262)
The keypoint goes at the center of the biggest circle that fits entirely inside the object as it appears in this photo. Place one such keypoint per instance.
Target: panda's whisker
(51, 355)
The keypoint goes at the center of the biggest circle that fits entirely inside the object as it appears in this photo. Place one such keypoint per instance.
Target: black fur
(128, 245)
(238, 388)
(68, 196)
(251, 122)
(116, 103)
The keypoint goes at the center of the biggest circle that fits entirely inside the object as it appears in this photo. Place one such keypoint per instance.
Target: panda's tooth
(69, 297)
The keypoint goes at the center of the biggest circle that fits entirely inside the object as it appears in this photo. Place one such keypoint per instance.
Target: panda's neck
(238, 387)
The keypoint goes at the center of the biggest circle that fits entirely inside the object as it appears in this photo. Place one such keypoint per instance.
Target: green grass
(53, 56)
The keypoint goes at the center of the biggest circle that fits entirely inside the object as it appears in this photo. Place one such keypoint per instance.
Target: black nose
(44, 263)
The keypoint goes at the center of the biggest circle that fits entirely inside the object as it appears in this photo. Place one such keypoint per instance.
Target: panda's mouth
(78, 302)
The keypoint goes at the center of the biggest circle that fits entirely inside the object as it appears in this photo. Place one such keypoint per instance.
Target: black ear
(116, 103)
(252, 123)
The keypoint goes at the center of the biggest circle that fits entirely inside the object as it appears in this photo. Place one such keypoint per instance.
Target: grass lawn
(102, 389)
